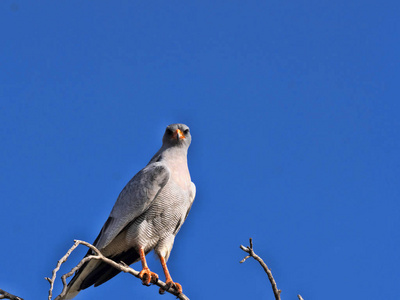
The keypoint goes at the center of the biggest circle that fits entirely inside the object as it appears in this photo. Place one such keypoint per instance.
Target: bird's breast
(180, 175)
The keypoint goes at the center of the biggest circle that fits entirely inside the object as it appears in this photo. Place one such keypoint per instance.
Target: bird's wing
(192, 192)
(133, 200)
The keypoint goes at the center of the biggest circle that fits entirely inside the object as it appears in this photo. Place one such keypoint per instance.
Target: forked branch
(250, 251)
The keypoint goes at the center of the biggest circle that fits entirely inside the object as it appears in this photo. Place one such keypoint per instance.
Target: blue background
(294, 112)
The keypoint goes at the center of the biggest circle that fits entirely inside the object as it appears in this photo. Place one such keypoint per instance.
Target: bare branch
(59, 263)
(98, 255)
(251, 253)
(5, 295)
(300, 298)
(244, 259)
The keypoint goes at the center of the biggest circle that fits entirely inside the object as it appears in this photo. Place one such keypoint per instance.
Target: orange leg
(168, 279)
(146, 275)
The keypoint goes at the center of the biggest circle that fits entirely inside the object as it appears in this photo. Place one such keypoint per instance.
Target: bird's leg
(168, 280)
(146, 275)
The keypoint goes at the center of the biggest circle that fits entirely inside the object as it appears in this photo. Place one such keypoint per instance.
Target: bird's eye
(186, 131)
(169, 131)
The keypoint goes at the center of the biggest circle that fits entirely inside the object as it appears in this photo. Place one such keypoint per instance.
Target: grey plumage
(147, 214)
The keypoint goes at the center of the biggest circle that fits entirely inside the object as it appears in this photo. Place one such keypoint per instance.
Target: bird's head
(177, 135)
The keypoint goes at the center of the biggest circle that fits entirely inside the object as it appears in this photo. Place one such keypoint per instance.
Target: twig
(300, 298)
(251, 253)
(98, 255)
(5, 295)
(59, 263)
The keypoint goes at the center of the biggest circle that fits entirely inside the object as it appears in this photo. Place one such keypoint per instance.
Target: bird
(146, 216)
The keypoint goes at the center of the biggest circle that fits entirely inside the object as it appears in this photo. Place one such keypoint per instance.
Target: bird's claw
(168, 285)
(148, 277)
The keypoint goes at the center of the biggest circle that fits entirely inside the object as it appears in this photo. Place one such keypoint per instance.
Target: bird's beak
(178, 135)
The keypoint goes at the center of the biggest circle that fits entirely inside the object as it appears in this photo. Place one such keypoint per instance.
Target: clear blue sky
(294, 112)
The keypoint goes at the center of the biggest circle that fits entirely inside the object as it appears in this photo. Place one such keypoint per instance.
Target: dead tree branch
(98, 255)
(5, 295)
(250, 251)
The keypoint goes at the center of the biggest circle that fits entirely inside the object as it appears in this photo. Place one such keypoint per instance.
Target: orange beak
(178, 135)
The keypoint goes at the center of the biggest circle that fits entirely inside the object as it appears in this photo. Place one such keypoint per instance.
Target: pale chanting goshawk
(147, 215)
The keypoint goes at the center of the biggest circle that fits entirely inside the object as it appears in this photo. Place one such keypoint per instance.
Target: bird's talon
(170, 284)
(178, 287)
(148, 277)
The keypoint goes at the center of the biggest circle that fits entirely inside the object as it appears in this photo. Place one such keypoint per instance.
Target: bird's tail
(96, 272)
